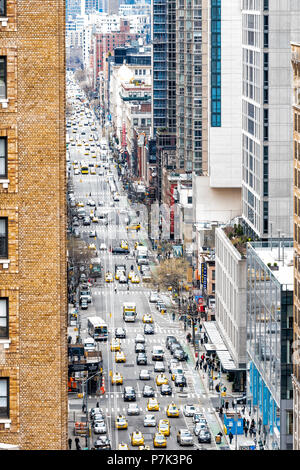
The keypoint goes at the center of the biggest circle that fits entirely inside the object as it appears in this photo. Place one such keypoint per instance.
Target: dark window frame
(5, 156)
(6, 336)
(3, 15)
(7, 397)
(5, 256)
(5, 75)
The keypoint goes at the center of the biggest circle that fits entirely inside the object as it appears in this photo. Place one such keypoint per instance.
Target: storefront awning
(215, 340)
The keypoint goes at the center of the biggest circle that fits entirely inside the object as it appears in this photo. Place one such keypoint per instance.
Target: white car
(139, 339)
(144, 374)
(103, 247)
(201, 426)
(91, 203)
(76, 171)
(153, 297)
(93, 233)
(122, 279)
(100, 427)
(133, 409)
(159, 367)
(149, 420)
(189, 410)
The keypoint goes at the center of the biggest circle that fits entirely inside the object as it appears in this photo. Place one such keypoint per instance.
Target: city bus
(84, 168)
(97, 328)
(129, 311)
(95, 268)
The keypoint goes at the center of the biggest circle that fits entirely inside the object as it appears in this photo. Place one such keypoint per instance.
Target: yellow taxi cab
(91, 139)
(161, 379)
(117, 379)
(94, 156)
(172, 411)
(109, 277)
(92, 246)
(121, 422)
(164, 427)
(93, 171)
(120, 357)
(135, 279)
(80, 204)
(152, 404)
(144, 447)
(130, 274)
(79, 143)
(124, 244)
(95, 219)
(123, 446)
(86, 153)
(137, 244)
(137, 438)
(133, 227)
(159, 440)
(147, 318)
(115, 345)
(170, 288)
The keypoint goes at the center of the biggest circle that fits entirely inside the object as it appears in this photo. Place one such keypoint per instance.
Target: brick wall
(35, 358)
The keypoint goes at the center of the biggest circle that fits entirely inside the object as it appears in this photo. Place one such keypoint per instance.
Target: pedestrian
(83, 407)
(205, 367)
(115, 289)
(246, 431)
(173, 316)
(233, 404)
(197, 365)
(253, 423)
(97, 404)
(243, 409)
(226, 405)
(221, 411)
(230, 435)
(77, 442)
(244, 423)
(201, 364)
(250, 431)
(127, 287)
(254, 432)
(70, 443)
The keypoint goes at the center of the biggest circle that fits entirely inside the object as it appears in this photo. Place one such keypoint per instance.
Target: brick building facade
(33, 302)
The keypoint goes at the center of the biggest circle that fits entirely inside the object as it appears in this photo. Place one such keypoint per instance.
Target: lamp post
(87, 437)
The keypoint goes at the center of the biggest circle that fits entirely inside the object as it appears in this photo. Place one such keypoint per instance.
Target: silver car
(159, 367)
(200, 426)
(189, 410)
(144, 374)
(100, 427)
(184, 437)
(133, 409)
(149, 420)
(140, 339)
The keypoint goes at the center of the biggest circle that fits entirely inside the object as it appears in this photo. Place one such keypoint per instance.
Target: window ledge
(3, 21)
(4, 182)
(5, 263)
(4, 102)
(5, 421)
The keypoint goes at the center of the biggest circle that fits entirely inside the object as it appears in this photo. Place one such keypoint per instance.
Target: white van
(89, 344)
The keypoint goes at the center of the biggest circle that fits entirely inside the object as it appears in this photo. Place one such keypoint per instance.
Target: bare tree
(170, 273)
(79, 254)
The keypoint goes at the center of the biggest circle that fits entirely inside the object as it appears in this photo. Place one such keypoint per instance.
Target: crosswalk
(123, 410)
(189, 395)
(121, 289)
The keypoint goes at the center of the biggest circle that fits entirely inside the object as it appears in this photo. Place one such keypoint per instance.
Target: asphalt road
(107, 304)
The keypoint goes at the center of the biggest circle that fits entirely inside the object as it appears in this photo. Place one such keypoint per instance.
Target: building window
(3, 238)
(3, 77)
(2, 7)
(4, 318)
(215, 63)
(190, 199)
(3, 157)
(4, 398)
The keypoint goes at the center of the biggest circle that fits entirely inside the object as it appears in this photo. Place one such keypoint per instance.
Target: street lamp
(87, 437)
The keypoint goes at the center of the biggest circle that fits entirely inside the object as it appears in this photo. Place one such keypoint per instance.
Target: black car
(129, 394)
(149, 329)
(119, 251)
(140, 348)
(102, 443)
(180, 381)
(204, 436)
(148, 391)
(170, 340)
(166, 389)
(120, 333)
(180, 354)
(174, 346)
(141, 359)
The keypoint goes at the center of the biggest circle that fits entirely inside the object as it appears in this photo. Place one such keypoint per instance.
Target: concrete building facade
(33, 286)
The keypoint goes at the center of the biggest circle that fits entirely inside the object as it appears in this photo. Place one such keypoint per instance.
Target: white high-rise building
(269, 26)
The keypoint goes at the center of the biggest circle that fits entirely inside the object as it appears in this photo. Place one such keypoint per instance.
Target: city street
(107, 303)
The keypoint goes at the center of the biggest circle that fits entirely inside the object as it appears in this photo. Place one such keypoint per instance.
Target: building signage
(204, 275)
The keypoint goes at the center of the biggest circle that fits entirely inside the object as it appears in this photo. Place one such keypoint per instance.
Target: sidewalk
(240, 440)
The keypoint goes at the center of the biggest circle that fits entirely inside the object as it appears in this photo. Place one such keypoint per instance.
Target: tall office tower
(164, 85)
(209, 93)
(296, 355)
(188, 85)
(268, 28)
(73, 8)
(93, 5)
(33, 294)
(113, 7)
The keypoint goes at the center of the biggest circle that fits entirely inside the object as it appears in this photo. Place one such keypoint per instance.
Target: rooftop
(279, 257)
